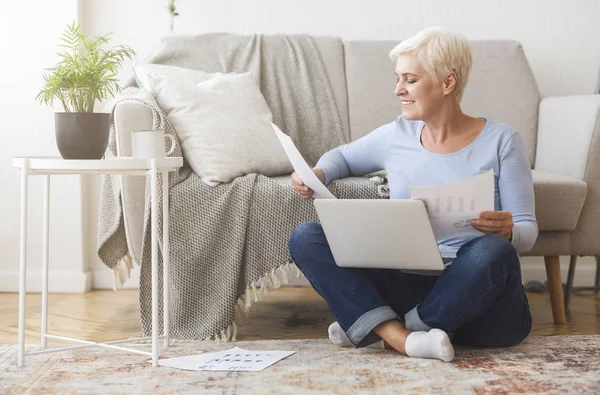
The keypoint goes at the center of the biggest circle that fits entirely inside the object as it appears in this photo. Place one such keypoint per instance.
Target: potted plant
(85, 73)
(172, 13)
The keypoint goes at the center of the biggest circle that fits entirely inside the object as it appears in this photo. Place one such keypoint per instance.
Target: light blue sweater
(397, 148)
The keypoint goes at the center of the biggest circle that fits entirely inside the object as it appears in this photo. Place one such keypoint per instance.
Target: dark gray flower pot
(82, 135)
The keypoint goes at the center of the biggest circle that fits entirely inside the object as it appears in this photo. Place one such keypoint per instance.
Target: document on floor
(302, 168)
(235, 359)
(452, 206)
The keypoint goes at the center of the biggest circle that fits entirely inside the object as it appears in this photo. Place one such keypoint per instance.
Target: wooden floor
(287, 313)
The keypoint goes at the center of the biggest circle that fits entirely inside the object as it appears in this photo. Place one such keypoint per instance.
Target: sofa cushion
(501, 87)
(222, 121)
(332, 55)
(370, 85)
(551, 243)
(558, 200)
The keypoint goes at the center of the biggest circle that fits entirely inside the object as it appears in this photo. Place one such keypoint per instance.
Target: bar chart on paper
(452, 206)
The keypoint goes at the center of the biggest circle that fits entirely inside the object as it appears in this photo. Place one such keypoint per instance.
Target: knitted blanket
(228, 243)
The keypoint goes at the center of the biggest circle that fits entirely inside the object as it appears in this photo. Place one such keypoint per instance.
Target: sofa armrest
(569, 143)
(567, 127)
(131, 116)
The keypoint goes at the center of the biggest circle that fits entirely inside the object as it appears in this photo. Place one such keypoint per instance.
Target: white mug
(148, 144)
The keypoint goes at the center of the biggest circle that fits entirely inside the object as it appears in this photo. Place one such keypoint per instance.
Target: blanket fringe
(257, 290)
(383, 189)
(254, 293)
(122, 271)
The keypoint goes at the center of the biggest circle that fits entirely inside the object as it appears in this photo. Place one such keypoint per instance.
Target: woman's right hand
(301, 189)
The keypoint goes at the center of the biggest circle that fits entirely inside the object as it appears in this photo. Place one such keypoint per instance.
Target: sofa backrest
(332, 55)
(501, 87)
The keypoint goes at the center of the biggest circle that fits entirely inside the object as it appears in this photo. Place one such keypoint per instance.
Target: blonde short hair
(440, 52)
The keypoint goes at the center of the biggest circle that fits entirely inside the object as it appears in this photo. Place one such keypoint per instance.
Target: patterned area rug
(556, 364)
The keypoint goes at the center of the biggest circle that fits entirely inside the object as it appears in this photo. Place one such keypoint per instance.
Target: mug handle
(172, 138)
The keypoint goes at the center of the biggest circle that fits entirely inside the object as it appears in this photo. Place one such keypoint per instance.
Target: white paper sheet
(452, 206)
(302, 168)
(235, 359)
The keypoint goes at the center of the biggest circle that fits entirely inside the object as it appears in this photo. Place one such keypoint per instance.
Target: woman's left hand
(494, 223)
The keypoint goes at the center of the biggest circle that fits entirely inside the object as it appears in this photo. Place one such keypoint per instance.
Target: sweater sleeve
(363, 156)
(515, 186)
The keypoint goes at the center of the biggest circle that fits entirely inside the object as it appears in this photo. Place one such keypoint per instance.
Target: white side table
(48, 166)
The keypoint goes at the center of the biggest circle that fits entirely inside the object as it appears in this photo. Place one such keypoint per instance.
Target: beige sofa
(561, 134)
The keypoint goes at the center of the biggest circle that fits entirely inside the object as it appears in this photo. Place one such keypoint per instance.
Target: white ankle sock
(338, 337)
(434, 344)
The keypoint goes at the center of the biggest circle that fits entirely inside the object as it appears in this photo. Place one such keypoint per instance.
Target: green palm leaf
(86, 72)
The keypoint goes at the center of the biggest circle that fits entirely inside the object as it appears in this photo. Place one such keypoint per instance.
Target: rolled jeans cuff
(361, 332)
(413, 322)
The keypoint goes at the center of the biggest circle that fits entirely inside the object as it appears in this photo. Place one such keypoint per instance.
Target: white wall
(559, 37)
(29, 32)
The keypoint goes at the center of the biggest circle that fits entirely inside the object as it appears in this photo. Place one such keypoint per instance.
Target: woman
(478, 299)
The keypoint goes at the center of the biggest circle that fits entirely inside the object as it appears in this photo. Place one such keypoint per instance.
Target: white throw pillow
(222, 121)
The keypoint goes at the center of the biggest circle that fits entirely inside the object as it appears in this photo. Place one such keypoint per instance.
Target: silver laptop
(374, 233)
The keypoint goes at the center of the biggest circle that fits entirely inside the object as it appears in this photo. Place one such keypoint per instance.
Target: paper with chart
(302, 168)
(452, 206)
(235, 359)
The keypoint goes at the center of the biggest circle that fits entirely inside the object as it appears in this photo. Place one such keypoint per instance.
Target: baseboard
(533, 268)
(58, 282)
(104, 279)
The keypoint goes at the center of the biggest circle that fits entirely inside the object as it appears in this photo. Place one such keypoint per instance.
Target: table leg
(23, 263)
(165, 207)
(45, 259)
(154, 225)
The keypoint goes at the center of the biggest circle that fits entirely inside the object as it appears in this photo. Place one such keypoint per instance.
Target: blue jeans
(478, 300)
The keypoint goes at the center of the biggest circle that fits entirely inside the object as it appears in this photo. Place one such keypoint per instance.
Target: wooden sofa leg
(570, 279)
(555, 288)
(597, 282)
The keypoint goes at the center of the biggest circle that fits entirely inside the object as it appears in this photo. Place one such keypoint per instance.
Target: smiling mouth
(407, 102)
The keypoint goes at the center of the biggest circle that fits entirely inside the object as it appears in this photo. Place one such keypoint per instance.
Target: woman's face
(419, 94)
